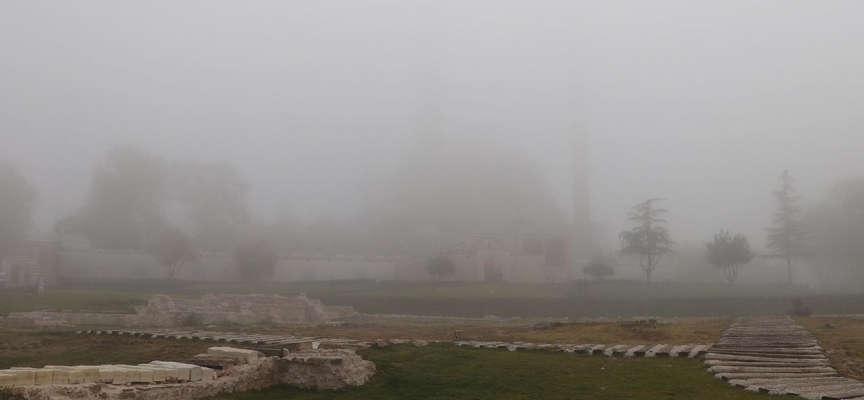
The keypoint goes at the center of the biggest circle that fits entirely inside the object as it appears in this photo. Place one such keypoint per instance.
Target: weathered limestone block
(59, 376)
(140, 374)
(248, 356)
(633, 350)
(188, 372)
(113, 375)
(168, 374)
(217, 361)
(325, 369)
(8, 380)
(43, 376)
(24, 377)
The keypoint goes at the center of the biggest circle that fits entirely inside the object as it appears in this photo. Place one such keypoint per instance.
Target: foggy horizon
(704, 104)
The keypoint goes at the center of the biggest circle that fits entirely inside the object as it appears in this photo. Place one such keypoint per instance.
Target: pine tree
(786, 237)
(649, 239)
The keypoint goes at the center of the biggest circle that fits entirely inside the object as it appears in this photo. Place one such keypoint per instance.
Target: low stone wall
(609, 350)
(320, 369)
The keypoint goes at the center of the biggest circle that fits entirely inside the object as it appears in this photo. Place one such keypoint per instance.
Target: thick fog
(317, 102)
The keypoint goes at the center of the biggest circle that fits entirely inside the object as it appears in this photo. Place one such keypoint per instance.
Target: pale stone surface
(44, 377)
(26, 377)
(326, 369)
(115, 376)
(323, 369)
(8, 380)
(186, 372)
(170, 374)
(632, 351)
(777, 356)
(249, 356)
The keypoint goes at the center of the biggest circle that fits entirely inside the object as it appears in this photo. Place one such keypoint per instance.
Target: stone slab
(25, 377)
(169, 374)
(653, 352)
(8, 380)
(249, 356)
(194, 372)
(632, 351)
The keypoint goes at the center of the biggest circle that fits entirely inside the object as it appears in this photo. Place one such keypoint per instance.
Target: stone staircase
(778, 356)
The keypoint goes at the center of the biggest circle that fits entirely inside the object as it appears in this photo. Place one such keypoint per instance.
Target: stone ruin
(211, 309)
(234, 370)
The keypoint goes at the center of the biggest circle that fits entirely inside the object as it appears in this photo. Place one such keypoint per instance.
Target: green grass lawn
(449, 372)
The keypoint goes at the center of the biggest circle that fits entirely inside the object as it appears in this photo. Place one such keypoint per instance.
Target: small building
(30, 263)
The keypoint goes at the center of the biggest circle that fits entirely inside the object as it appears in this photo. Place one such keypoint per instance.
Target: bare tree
(649, 239)
(786, 239)
(729, 253)
(174, 249)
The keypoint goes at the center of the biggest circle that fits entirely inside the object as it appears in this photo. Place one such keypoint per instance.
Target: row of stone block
(156, 371)
(609, 350)
(777, 356)
(286, 341)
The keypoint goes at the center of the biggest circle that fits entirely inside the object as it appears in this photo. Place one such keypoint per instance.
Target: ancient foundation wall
(321, 370)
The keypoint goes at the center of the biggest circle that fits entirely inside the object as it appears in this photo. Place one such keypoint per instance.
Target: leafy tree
(17, 201)
(598, 270)
(256, 261)
(440, 266)
(124, 201)
(174, 249)
(786, 239)
(729, 253)
(214, 196)
(649, 239)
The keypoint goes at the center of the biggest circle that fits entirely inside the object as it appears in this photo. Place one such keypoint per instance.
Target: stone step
(726, 363)
(741, 357)
(834, 395)
(766, 385)
(746, 375)
(792, 369)
(818, 355)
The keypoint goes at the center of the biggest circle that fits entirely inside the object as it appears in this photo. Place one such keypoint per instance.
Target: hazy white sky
(701, 102)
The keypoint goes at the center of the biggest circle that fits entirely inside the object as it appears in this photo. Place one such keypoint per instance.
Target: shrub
(799, 309)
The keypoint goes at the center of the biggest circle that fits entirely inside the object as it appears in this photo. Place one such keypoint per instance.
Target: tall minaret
(581, 182)
(427, 77)
(583, 227)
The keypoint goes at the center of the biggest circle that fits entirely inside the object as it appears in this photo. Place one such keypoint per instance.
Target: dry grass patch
(37, 348)
(843, 341)
(683, 331)
(678, 331)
